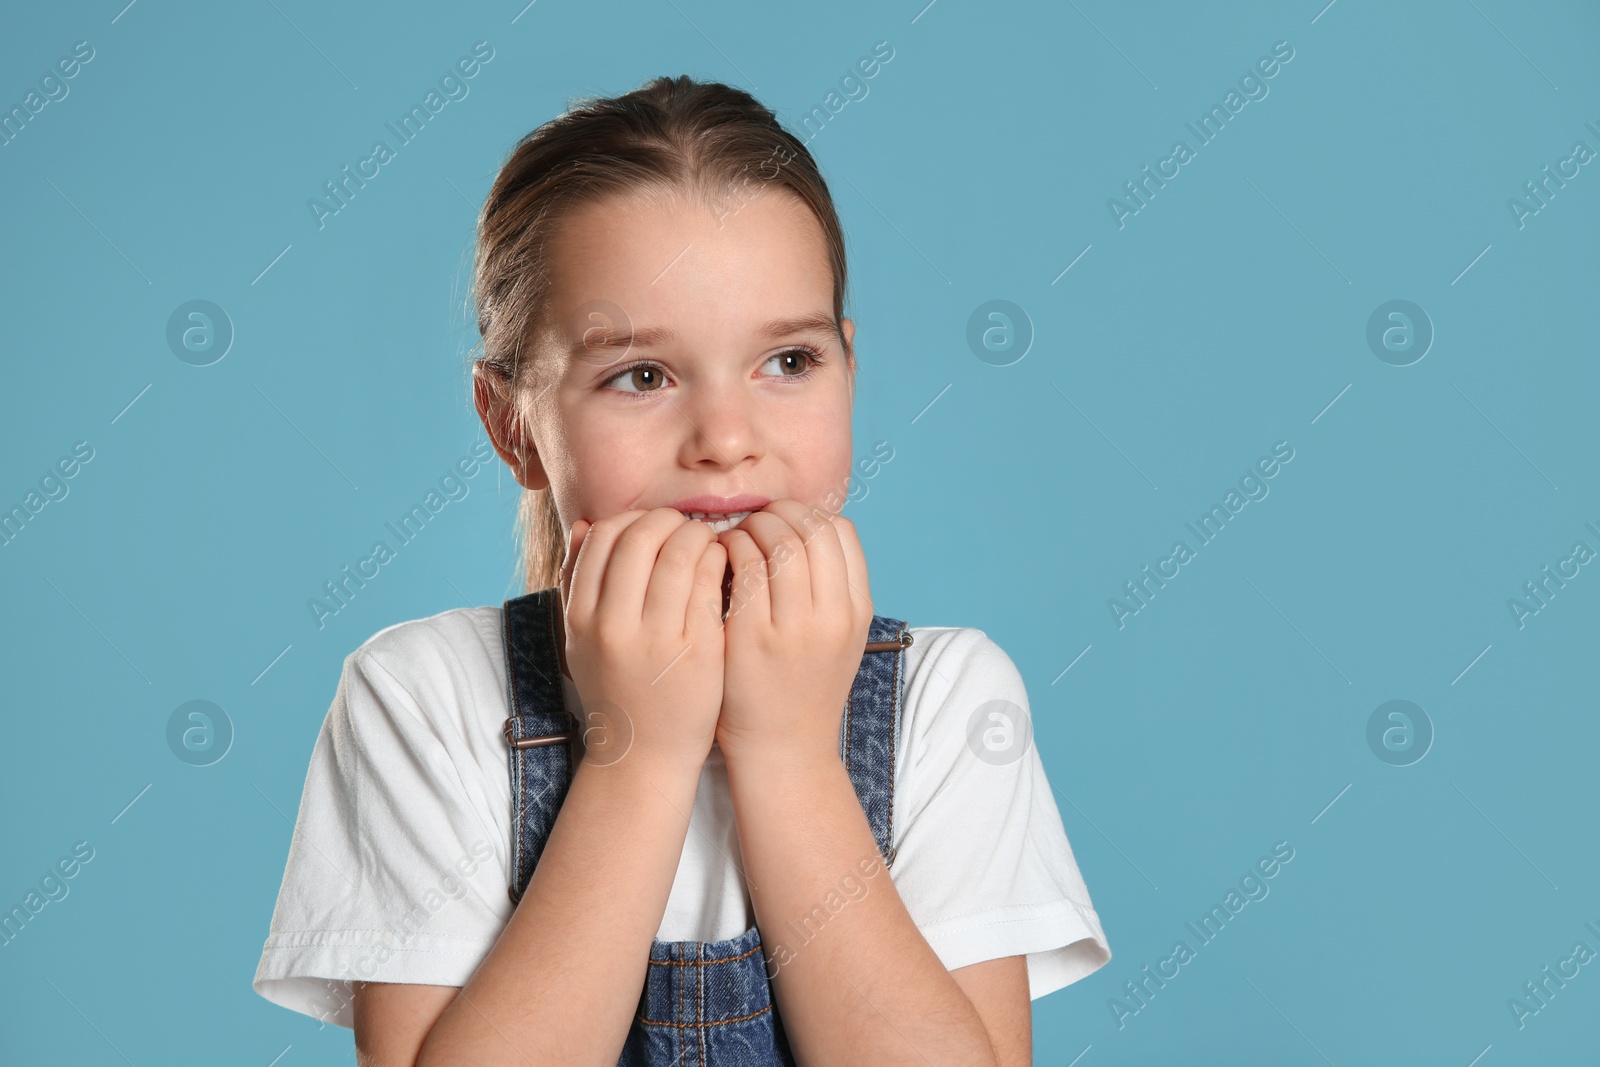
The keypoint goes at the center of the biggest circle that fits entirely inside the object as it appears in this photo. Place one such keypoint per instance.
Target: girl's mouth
(719, 523)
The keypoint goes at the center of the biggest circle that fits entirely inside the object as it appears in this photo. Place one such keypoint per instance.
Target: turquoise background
(1230, 313)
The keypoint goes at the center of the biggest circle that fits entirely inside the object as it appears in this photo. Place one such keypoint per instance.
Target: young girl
(689, 800)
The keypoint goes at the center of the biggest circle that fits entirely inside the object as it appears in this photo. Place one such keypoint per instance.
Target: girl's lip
(720, 505)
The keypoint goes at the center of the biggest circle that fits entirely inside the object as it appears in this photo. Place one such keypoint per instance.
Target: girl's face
(673, 369)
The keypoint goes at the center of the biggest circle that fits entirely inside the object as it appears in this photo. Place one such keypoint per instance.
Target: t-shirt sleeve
(983, 863)
(391, 876)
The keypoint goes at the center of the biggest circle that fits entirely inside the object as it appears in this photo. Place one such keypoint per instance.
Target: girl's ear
(848, 327)
(493, 396)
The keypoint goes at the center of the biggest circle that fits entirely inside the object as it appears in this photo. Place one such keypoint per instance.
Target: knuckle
(607, 631)
(635, 534)
(677, 555)
(625, 519)
(606, 529)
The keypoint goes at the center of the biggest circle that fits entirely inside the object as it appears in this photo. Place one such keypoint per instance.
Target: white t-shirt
(400, 860)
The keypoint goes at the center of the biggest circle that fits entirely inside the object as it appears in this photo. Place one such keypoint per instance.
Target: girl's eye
(646, 376)
(799, 362)
(790, 356)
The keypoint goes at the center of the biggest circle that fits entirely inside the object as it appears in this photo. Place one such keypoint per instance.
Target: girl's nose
(721, 426)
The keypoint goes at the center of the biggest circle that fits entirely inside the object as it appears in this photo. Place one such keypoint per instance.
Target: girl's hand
(795, 632)
(641, 596)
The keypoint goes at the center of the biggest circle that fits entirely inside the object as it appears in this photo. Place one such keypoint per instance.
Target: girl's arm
(562, 983)
(854, 978)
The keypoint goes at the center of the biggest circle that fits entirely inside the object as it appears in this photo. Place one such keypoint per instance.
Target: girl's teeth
(719, 523)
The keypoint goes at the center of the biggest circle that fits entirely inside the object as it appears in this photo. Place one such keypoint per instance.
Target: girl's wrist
(779, 755)
(640, 766)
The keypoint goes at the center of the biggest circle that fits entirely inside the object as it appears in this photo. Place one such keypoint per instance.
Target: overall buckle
(536, 741)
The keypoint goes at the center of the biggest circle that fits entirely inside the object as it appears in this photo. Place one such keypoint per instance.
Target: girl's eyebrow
(600, 340)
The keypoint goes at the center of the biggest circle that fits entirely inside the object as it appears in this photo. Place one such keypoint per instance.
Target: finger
(633, 559)
(593, 558)
(705, 600)
(788, 574)
(673, 577)
(574, 542)
(749, 564)
(855, 559)
(825, 560)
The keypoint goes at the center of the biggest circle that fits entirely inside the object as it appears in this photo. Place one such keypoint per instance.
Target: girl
(689, 799)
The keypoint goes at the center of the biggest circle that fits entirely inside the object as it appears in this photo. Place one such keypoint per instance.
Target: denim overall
(704, 1003)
